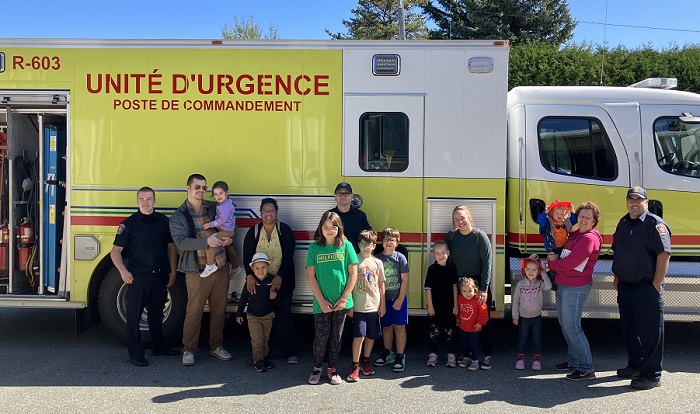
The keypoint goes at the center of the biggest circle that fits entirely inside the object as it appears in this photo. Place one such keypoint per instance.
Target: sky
(630, 23)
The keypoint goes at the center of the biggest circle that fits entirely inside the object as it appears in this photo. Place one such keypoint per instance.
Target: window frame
(364, 164)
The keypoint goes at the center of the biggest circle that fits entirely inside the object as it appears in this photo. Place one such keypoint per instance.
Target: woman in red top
(574, 267)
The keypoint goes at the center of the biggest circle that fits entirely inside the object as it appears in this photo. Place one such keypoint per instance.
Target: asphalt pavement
(47, 367)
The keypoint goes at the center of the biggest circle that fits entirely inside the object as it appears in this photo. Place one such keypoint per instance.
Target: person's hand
(481, 297)
(171, 278)
(340, 304)
(326, 306)
(350, 313)
(382, 310)
(516, 321)
(239, 319)
(226, 241)
(477, 327)
(276, 283)
(273, 294)
(455, 310)
(397, 304)
(551, 256)
(127, 277)
(431, 311)
(206, 226)
(658, 286)
(213, 241)
(250, 284)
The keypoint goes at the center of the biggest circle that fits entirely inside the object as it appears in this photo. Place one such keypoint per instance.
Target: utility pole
(402, 23)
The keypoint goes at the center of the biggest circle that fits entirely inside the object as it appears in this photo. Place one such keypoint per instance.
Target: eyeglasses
(343, 194)
(362, 245)
(200, 187)
(271, 211)
(635, 200)
(390, 240)
(585, 217)
(329, 228)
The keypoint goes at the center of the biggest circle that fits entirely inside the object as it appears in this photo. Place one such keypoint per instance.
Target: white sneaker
(187, 358)
(432, 360)
(473, 366)
(209, 269)
(220, 353)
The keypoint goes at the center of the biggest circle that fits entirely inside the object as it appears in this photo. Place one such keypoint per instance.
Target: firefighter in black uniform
(642, 245)
(144, 239)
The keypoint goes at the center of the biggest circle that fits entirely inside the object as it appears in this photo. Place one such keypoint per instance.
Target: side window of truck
(383, 141)
(677, 146)
(576, 146)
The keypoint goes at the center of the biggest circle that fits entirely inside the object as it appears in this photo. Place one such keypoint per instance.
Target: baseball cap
(639, 191)
(342, 186)
(259, 257)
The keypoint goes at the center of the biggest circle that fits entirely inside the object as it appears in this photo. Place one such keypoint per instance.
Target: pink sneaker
(520, 364)
(536, 365)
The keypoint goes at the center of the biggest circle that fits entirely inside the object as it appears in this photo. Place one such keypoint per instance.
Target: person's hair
(531, 260)
(145, 189)
(219, 184)
(367, 236)
(464, 208)
(269, 200)
(391, 232)
(440, 243)
(195, 177)
(468, 282)
(589, 205)
(335, 219)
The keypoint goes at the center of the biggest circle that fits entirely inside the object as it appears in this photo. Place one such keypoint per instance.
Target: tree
(379, 20)
(247, 29)
(518, 21)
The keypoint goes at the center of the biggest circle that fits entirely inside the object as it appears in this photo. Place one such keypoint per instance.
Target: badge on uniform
(661, 229)
(120, 229)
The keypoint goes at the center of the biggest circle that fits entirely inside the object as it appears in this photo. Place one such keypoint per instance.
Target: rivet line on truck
(417, 127)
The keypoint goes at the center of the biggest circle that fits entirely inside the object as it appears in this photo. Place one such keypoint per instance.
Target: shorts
(366, 324)
(393, 316)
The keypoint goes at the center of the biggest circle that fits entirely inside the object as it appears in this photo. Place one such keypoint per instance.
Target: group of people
(350, 275)
(642, 248)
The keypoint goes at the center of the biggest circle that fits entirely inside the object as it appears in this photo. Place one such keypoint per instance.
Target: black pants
(530, 328)
(486, 335)
(283, 333)
(443, 327)
(642, 322)
(147, 291)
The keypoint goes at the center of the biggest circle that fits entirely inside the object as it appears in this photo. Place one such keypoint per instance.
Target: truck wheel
(112, 305)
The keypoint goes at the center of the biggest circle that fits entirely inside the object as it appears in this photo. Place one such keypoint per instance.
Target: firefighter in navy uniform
(642, 245)
(144, 239)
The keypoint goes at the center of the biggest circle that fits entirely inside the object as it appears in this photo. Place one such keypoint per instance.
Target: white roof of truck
(574, 95)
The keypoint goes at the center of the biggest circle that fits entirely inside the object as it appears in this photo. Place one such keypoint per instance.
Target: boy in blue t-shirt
(395, 319)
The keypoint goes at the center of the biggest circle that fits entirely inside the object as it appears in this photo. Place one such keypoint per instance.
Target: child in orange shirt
(555, 225)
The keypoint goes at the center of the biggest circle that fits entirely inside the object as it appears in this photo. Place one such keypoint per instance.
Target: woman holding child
(574, 269)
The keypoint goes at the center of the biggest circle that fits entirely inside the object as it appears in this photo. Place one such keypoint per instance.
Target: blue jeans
(470, 345)
(570, 302)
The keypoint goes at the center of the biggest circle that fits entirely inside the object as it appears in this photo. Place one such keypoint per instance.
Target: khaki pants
(213, 288)
(259, 328)
(211, 251)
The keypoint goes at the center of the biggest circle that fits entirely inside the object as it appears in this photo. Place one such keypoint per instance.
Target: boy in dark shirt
(260, 314)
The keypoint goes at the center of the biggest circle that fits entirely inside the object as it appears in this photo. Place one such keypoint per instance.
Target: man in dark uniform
(144, 239)
(642, 245)
(354, 220)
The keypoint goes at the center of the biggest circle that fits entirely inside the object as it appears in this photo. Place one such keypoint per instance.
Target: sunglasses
(200, 187)
(559, 226)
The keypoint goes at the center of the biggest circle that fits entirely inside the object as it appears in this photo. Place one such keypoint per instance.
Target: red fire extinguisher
(25, 238)
(4, 242)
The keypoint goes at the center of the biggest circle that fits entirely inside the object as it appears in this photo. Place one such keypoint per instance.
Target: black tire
(112, 306)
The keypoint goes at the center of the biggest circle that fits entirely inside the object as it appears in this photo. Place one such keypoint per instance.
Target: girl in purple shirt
(224, 223)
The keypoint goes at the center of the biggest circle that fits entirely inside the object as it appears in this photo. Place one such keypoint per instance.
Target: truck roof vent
(656, 83)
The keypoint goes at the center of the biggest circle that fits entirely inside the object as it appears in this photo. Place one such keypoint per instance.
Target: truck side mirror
(536, 208)
(656, 207)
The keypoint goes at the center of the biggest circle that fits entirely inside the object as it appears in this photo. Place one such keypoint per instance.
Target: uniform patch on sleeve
(122, 227)
(661, 229)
